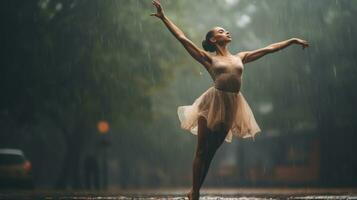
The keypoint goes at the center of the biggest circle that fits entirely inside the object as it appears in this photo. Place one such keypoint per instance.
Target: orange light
(103, 127)
(27, 166)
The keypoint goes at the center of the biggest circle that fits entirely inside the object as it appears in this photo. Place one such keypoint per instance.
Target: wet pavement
(176, 194)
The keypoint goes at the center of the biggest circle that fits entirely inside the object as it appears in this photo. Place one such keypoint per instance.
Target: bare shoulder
(242, 54)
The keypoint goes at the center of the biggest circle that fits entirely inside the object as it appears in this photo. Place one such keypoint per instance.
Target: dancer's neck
(222, 51)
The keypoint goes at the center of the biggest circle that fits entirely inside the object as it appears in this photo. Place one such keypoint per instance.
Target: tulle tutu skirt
(220, 106)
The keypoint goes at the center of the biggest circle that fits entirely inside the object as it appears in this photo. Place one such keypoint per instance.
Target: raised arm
(249, 56)
(198, 54)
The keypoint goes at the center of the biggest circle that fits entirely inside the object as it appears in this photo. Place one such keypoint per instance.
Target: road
(176, 194)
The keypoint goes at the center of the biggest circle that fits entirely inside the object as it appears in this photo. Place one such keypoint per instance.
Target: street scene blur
(90, 90)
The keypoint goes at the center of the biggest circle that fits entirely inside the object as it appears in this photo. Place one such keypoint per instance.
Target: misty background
(67, 65)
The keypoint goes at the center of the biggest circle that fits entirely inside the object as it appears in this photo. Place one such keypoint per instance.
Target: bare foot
(193, 196)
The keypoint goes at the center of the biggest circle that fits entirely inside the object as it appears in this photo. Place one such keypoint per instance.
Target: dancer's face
(221, 35)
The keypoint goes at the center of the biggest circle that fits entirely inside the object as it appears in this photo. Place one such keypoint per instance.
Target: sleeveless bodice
(227, 73)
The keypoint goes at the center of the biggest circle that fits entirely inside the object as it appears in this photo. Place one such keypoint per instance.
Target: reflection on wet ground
(177, 194)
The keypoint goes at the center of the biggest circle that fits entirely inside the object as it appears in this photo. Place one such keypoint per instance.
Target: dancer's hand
(159, 11)
(301, 42)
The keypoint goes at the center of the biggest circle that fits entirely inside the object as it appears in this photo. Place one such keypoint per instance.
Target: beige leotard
(227, 73)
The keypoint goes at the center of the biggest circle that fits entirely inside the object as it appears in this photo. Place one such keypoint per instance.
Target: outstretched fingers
(305, 44)
(159, 12)
(156, 4)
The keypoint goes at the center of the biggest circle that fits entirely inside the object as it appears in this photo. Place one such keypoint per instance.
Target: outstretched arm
(197, 53)
(249, 56)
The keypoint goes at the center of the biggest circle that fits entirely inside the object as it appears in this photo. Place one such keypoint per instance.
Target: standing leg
(198, 165)
(207, 144)
(215, 140)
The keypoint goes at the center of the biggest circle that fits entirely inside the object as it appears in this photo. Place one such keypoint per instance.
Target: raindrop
(140, 27)
(334, 70)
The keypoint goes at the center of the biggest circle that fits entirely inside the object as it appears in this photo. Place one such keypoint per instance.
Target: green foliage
(68, 64)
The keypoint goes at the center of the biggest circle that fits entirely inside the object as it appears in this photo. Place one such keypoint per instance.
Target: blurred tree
(81, 61)
(68, 64)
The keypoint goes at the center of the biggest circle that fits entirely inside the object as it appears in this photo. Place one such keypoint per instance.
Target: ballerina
(221, 111)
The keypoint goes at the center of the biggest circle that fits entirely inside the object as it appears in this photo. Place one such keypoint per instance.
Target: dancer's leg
(207, 144)
(198, 166)
(215, 140)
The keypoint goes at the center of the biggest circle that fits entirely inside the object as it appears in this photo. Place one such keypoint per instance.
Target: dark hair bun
(208, 46)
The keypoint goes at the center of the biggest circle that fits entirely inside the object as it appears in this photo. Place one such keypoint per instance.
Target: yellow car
(15, 170)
